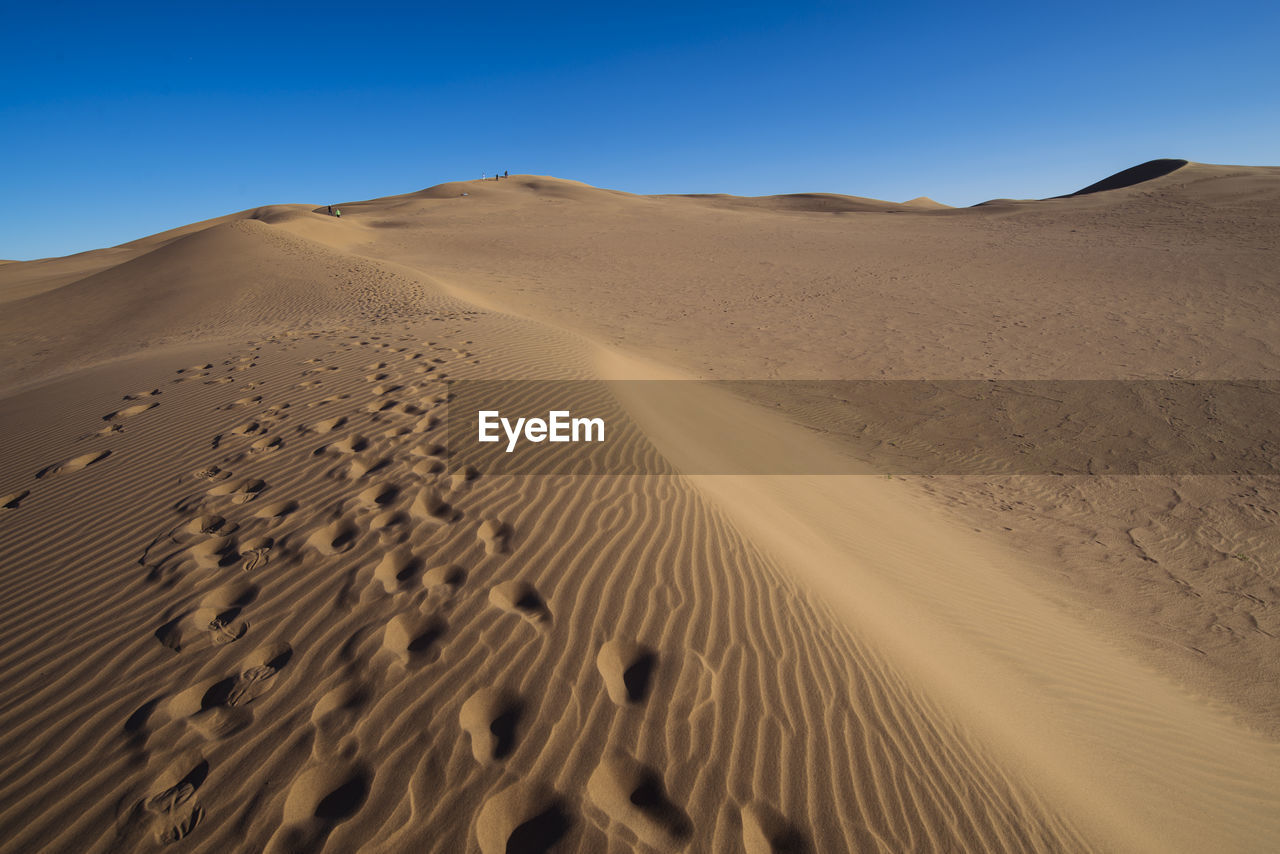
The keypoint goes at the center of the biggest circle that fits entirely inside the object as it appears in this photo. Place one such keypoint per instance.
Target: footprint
(73, 464)
(337, 710)
(215, 619)
(335, 716)
(219, 610)
(213, 552)
(428, 466)
(255, 552)
(265, 444)
(211, 473)
(627, 668)
(428, 506)
(14, 499)
(520, 597)
(276, 509)
(353, 444)
(319, 799)
(396, 567)
(366, 464)
(412, 638)
(460, 480)
(205, 524)
(335, 538)
(427, 423)
(328, 425)
(378, 495)
(495, 535)
(765, 831)
(240, 491)
(334, 398)
(141, 395)
(490, 717)
(634, 795)
(447, 577)
(202, 709)
(130, 411)
(244, 401)
(247, 490)
(250, 685)
(171, 813)
(257, 677)
(526, 818)
(387, 519)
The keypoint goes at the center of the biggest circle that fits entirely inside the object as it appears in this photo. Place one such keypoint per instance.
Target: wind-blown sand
(249, 604)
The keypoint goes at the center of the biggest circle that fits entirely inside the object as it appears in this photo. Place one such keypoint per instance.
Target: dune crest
(1140, 174)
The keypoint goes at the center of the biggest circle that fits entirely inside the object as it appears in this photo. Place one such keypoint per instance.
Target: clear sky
(121, 120)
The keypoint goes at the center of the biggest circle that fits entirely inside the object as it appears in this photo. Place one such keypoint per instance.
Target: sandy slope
(248, 607)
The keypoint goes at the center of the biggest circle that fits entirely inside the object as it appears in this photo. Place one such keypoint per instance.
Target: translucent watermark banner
(787, 427)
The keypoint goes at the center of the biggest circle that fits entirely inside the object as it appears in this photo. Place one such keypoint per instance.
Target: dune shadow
(637, 677)
(1148, 171)
(540, 834)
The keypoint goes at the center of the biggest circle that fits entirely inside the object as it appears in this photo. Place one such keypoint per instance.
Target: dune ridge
(1140, 174)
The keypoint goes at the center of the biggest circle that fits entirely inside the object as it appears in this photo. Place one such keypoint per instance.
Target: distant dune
(1147, 175)
(810, 202)
(1139, 174)
(256, 599)
(926, 203)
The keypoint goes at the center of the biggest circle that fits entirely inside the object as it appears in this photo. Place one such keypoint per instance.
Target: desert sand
(252, 602)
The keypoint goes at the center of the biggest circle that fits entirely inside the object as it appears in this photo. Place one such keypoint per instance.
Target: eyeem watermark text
(558, 426)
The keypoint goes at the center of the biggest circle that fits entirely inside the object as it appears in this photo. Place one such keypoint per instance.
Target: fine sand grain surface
(252, 602)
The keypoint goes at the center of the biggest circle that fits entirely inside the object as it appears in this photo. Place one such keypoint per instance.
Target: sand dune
(1140, 174)
(925, 203)
(255, 601)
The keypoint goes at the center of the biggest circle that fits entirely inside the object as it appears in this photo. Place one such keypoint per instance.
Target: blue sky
(118, 121)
